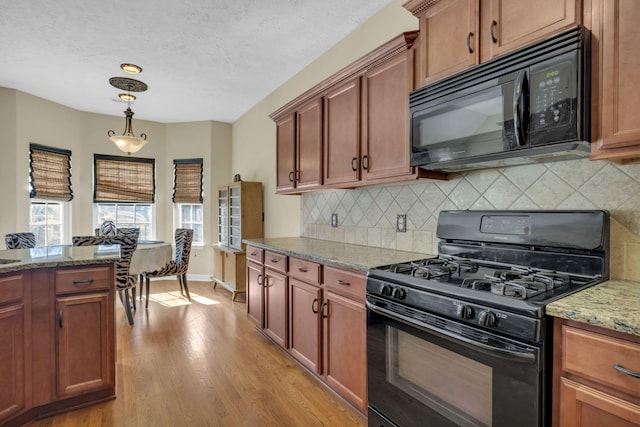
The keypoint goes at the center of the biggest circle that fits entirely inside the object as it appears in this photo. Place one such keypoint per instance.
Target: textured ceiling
(202, 59)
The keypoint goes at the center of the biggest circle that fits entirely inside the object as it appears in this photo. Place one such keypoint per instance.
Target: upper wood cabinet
(299, 149)
(351, 129)
(616, 73)
(457, 34)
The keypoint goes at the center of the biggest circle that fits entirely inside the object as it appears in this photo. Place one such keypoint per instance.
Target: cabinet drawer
(345, 283)
(11, 288)
(304, 270)
(84, 280)
(594, 357)
(255, 254)
(275, 261)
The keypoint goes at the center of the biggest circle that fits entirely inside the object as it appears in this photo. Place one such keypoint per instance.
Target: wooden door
(84, 325)
(583, 406)
(285, 153)
(385, 127)
(304, 323)
(275, 307)
(345, 361)
(255, 293)
(309, 146)
(12, 361)
(615, 27)
(516, 23)
(451, 39)
(342, 134)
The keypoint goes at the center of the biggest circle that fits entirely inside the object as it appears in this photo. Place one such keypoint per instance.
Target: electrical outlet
(334, 220)
(401, 223)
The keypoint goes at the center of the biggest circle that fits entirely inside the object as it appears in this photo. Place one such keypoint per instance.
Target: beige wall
(25, 119)
(254, 134)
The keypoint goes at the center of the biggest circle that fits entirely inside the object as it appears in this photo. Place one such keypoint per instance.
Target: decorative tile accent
(368, 215)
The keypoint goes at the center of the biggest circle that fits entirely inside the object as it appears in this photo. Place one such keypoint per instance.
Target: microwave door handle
(519, 107)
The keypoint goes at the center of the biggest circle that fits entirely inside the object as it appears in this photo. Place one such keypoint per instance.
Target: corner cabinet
(596, 380)
(239, 217)
(616, 72)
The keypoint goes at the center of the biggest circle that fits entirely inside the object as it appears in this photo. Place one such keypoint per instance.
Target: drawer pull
(302, 270)
(83, 282)
(343, 283)
(275, 260)
(254, 253)
(626, 371)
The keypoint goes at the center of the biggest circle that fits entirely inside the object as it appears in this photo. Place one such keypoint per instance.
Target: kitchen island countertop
(356, 257)
(56, 256)
(614, 304)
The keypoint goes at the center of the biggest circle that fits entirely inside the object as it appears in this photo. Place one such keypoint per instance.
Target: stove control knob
(487, 318)
(387, 290)
(464, 311)
(399, 293)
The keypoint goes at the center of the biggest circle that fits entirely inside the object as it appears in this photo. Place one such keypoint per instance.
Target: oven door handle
(504, 353)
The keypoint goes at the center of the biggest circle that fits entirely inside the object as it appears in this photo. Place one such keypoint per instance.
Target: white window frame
(97, 221)
(64, 221)
(180, 223)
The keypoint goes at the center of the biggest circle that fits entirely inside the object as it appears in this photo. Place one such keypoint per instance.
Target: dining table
(150, 255)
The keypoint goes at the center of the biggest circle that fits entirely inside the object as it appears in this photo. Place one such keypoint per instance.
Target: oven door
(424, 370)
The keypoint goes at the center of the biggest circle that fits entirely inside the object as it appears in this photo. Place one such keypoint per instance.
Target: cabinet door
(616, 27)
(342, 134)
(84, 337)
(451, 39)
(275, 307)
(309, 146)
(385, 133)
(345, 360)
(285, 153)
(223, 216)
(235, 216)
(582, 406)
(516, 23)
(255, 293)
(12, 361)
(304, 326)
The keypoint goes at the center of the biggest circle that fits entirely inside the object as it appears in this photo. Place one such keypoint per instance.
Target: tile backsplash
(367, 216)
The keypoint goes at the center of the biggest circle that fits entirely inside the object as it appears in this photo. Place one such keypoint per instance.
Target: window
(138, 215)
(47, 220)
(187, 196)
(124, 192)
(50, 190)
(189, 215)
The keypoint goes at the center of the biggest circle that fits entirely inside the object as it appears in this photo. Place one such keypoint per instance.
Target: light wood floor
(205, 364)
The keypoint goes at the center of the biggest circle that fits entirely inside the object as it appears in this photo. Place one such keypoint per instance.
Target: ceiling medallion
(128, 84)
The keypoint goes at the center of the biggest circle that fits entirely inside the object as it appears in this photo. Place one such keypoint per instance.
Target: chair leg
(146, 282)
(141, 281)
(186, 288)
(133, 297)
(179, 277)
(124, 297)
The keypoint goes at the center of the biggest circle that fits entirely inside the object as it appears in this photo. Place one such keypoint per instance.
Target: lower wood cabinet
(593, 379)
(58, 340)
(322, 311)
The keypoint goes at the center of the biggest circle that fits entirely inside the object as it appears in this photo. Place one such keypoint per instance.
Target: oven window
(453, 385)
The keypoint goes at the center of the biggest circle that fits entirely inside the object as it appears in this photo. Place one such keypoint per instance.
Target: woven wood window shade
(123, 179)
(50, 173)
(187, 181)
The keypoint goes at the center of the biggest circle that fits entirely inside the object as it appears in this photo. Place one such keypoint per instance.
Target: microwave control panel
(552, 96)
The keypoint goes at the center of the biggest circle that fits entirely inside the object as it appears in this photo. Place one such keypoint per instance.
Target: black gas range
(480, 301)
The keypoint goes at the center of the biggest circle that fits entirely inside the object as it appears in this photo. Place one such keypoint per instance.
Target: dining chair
(20, 240)
(124, 281)
(177, 267)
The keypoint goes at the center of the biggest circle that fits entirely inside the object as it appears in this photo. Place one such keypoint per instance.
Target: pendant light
(128, 141)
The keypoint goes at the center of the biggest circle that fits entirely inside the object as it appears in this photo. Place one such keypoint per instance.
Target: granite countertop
(57, 256)
(356, 257)
(614, 304)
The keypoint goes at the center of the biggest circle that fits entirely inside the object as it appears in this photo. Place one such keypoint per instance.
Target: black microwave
(528, 106)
